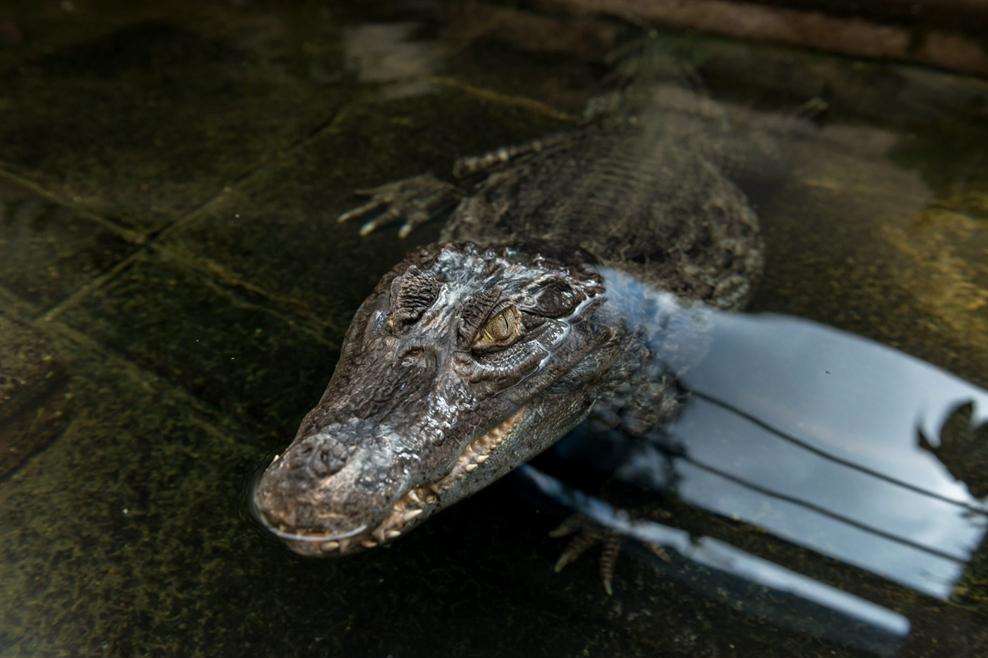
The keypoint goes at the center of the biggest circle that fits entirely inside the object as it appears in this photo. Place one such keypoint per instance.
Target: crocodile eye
(499, 331)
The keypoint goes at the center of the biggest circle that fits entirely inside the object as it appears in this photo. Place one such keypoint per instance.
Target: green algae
(164, 112)
(246, 359)
(47, 250)
(32, 400)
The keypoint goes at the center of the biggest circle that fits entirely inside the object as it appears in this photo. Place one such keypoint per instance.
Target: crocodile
(478, 352)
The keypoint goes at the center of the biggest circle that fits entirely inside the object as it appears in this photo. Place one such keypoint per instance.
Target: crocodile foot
(586, 534)
(416, 200)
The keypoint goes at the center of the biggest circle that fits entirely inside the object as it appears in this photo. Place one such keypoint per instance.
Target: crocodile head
(462, 364)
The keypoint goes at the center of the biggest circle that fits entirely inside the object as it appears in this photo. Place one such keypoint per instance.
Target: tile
(143, 118)
(101, 535)
(863, 244)
(124, 520)
(246, 360)
(279, 231)
(48, 251)
(32, 403)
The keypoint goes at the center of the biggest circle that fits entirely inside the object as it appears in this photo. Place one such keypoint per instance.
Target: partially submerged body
(475, 354)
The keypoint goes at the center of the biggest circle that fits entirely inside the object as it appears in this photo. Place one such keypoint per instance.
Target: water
(173, 292)
(814, 436)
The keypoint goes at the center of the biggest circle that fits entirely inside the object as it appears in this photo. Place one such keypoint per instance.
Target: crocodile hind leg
(586, 534)
(632, 412)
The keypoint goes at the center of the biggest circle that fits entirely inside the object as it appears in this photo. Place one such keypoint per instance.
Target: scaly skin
(477, 353)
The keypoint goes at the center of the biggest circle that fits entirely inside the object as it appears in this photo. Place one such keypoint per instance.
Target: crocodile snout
(327, 487)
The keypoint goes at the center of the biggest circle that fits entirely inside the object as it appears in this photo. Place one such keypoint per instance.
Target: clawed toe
(583, 541)
(576, 547)
(390, 215)
(658, 552)
(585, 535)
(416, 200)
(360, 211)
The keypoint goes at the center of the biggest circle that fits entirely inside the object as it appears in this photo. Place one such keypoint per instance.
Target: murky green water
(174, 289)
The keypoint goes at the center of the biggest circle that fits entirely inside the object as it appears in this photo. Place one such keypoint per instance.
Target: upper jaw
(410, 508)
(309, 497)
(413, 504)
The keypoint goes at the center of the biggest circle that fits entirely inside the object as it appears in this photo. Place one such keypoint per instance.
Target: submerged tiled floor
(174, 289)
(165, 111)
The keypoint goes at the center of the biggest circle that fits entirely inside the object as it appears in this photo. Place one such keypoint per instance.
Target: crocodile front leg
(416, 200)
(419, 199)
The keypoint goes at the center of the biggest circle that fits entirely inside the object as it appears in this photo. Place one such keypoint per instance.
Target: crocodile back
(641, 196)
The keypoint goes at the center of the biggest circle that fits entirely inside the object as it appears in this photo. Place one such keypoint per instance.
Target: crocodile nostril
(325, 461)
(298, 456)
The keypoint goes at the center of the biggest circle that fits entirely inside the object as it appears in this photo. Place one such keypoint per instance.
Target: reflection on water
(767, 589)
(814, 435)
(832, 460)
(386, 54)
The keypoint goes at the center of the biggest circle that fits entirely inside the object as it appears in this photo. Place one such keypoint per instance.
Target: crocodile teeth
(479, 451)
(331, 546)
(411, 514)
(384, 533)
(368, 543)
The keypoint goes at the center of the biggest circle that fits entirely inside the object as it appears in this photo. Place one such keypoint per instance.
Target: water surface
(174, 290)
